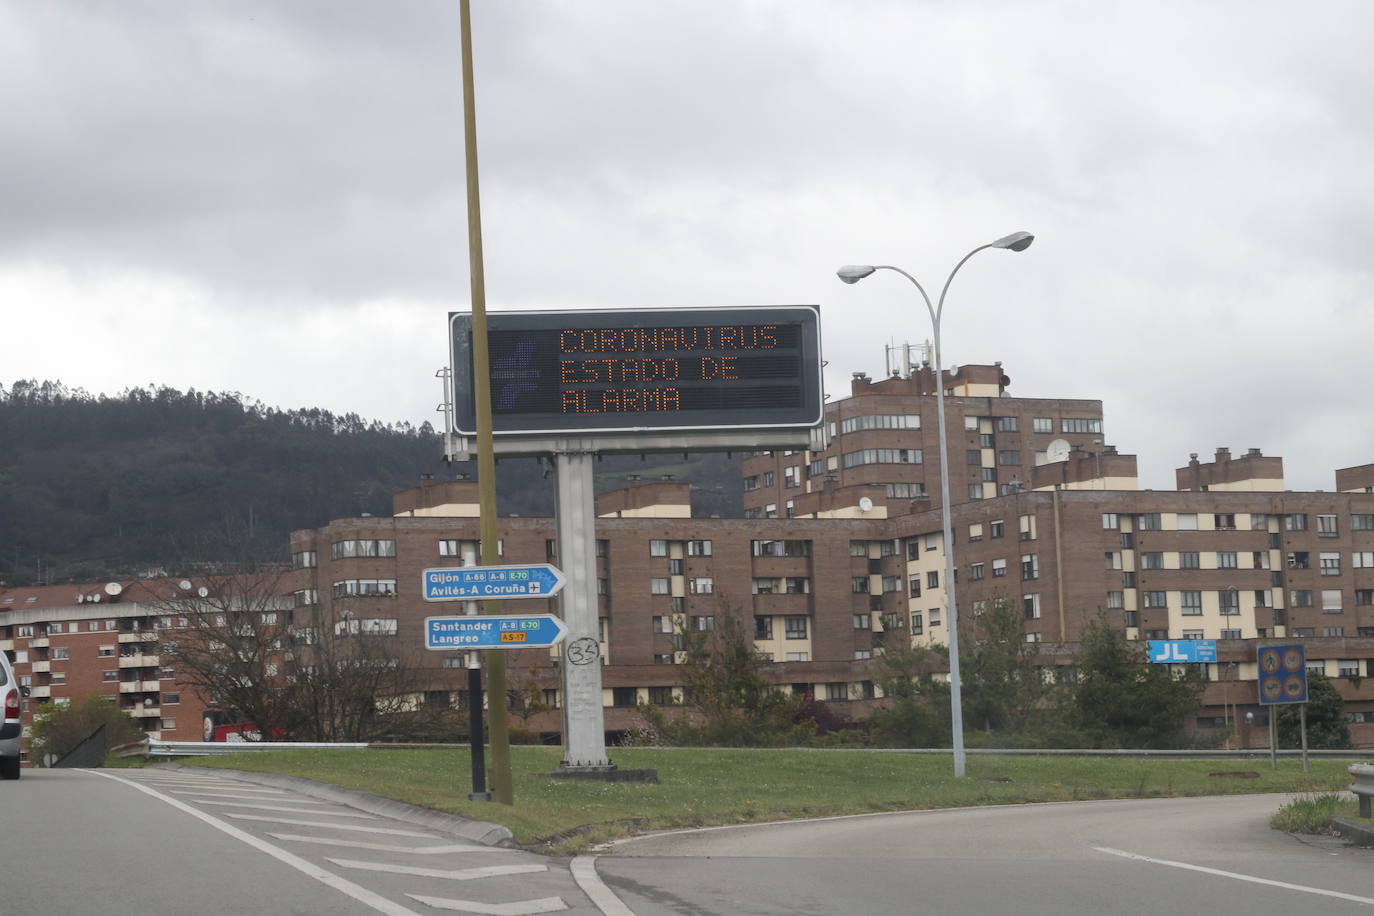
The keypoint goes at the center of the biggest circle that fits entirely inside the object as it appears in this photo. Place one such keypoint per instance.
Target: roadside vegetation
(1313, 813)
(701, 787)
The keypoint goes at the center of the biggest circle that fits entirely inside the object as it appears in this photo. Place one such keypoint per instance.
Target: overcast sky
(268, 197)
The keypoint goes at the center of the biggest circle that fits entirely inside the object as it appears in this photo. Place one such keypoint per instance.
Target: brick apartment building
(840, 554)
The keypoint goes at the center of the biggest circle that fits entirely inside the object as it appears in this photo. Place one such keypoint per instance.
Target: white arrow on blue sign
(485, 583)
(494, 631)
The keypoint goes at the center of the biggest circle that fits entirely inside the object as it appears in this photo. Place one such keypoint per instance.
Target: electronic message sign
(643, 370)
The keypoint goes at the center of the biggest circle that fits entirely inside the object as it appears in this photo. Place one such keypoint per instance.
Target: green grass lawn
(711, 786)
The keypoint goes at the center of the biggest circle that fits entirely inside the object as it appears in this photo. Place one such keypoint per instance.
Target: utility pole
(495, 662)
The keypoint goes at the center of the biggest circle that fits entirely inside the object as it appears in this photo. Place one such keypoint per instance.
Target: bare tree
(251, 647)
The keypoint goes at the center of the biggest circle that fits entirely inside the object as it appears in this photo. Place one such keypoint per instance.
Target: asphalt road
(1215, 856)
(159, 842)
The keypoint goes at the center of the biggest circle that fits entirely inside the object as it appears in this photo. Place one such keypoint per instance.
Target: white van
(10, 724)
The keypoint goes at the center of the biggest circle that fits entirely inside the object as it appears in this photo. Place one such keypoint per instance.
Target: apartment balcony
(150, 686)
(777, 603)
(130, 686)
(144, 712)
(40, 667)
(40, 642)
(7, 645)
(139, 661)
(138, 636)
(40, 692)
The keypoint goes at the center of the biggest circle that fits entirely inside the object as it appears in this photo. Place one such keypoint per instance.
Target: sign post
(1283, 679)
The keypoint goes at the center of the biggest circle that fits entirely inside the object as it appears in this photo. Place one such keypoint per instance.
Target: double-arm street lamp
(1017, 241)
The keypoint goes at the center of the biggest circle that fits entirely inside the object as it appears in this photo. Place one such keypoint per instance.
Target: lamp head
(1017, 241)
(853, 273)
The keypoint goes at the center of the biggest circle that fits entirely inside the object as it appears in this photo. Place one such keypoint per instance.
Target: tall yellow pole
(495, 663)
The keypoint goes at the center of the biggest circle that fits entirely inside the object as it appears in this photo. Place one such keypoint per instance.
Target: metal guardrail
(1363, 786)
(221, 748)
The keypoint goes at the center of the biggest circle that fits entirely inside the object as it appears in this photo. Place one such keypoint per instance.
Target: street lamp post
(1017, 241)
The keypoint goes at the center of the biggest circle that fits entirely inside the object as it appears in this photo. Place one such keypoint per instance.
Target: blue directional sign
(478, 583)
(1183, 650)
(494, 631)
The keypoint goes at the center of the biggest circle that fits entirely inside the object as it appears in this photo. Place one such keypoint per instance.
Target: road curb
(453, 824)
(1355, 832)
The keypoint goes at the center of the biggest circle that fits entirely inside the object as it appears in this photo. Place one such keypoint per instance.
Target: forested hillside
(98, 487)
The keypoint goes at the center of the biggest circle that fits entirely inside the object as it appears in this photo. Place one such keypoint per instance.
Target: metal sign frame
(1282, 674)
(525, 371)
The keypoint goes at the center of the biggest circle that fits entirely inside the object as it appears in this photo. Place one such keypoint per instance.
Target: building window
(1009, 457)
(751, 483)
(1192, 634)
(702, 586)
(1042, 424)
(1362, 559)
(1186, 521)
(1226, 559)
(880, 421)
(995, 529)
(1333, 631)
(1229, 602)
(169, 725)
(932, 579)
(698, 548)
(343, 550)
(1329, 563)
(1080, 425)
(918, 625)
(767, 478)
(1300, 597)
(999, 568)
(1116, 599)
(794, 627)
(1231, 634)
(859, 585)
(973, 456)
(110, 675)
(171, 699)
(1326, 526)
(1110, 520)
(304, 559)
(1156, 599)
(1030, 566)
(704, 623)
(1295, 522)
(976, 571)
(1364, 596)
(658, 548)
(1224, 521)
(663, 658)
(798, 656)
(1362, 522)
(1149, 521)
(1152, 560)
(1030, 606)
(1297, 559)
(881, 456)
(1189, 560)
(1331, 601)
(1191, 602)
(863, 621)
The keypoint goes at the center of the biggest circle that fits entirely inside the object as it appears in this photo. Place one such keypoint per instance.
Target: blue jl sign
(1180, 651)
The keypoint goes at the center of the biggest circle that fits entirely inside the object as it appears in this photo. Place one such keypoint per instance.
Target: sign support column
(584, 730)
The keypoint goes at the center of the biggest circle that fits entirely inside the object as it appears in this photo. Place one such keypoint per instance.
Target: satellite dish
(113, 588)
(80, 598)
(865, 504)
(96, 597)
(1058, 450)
(203, 591)
(185, 585)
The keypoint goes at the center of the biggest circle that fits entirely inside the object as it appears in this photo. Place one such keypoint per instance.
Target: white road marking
(260, 795)
(387, 847)
(340, 884)
(584, 873)
(1236, 875)
(332, 825)
(518, 908)
(256, 804)
(462, 874)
